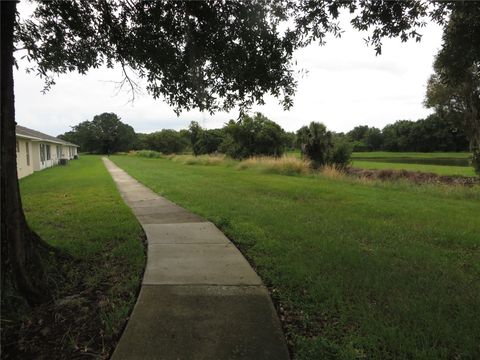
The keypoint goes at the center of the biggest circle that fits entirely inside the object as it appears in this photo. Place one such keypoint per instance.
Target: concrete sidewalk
(200, 298)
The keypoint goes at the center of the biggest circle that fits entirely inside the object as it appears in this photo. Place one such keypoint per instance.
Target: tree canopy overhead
(210, 55)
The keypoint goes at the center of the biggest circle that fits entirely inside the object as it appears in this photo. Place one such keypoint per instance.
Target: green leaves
(211, 55)
(454, 88)
(252, 136)
(105, 134)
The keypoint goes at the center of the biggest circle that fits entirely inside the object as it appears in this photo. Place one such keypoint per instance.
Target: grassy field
(438, 163)
(390, 154)
(78, 209)
(436, 169)
(441, 163)
(361, 270)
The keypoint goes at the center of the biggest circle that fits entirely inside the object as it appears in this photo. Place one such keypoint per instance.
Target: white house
(37, 151)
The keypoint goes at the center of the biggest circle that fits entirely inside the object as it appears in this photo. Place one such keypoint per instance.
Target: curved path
(200, 299)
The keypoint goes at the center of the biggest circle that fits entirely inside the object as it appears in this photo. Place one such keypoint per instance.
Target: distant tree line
(252, 136)
(248, 136)
(435, 133)
(166, 141)
(257, 135)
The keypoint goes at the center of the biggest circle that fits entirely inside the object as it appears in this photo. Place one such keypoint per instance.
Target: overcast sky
(345, 85)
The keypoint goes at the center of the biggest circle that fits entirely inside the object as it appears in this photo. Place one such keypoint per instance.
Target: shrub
(341, 155)
(317, 144)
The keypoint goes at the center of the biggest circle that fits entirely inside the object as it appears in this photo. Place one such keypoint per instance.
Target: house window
(42, 153)
(59, 152)
(48, 152)
(18, 147)
(28, 153)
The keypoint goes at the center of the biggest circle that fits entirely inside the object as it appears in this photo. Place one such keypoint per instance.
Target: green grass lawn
(449, 163)
(436, 169)
(362, 270)
(78, 209)
(391, 154)
(441, 163)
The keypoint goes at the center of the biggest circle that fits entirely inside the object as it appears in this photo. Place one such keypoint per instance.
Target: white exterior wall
(38, 164)
(36, 161)
(65, 152)
(24, 158)
(58, 152)
(68, 152)
(36, 156)
(51, 160)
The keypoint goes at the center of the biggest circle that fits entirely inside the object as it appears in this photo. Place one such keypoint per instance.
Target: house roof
(35, 135)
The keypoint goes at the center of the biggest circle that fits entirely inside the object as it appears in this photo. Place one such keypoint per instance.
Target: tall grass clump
(200, 160)
(148, 153)
(332, 172)
(286, 165)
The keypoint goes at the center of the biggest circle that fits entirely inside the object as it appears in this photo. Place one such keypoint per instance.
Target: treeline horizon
(107, 134)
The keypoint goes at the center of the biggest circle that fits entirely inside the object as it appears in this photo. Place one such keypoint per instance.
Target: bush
(341, 155)
(317, 144)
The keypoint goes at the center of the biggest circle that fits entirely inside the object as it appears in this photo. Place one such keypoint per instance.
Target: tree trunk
(21, 268)
(472, 115)
(475, 146)
(475, 138)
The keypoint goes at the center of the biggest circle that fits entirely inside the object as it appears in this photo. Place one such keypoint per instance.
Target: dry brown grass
(415, 177)
(199, 160)
(286, 165)
(331, 172)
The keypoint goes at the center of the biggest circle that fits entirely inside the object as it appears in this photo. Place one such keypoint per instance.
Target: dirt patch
(68, 327)
(73, 324)
(64, 329)
(413, 176)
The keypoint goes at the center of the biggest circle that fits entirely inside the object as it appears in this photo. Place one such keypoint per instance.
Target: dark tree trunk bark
(472, 116)
(21, 268)
(475, 146)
